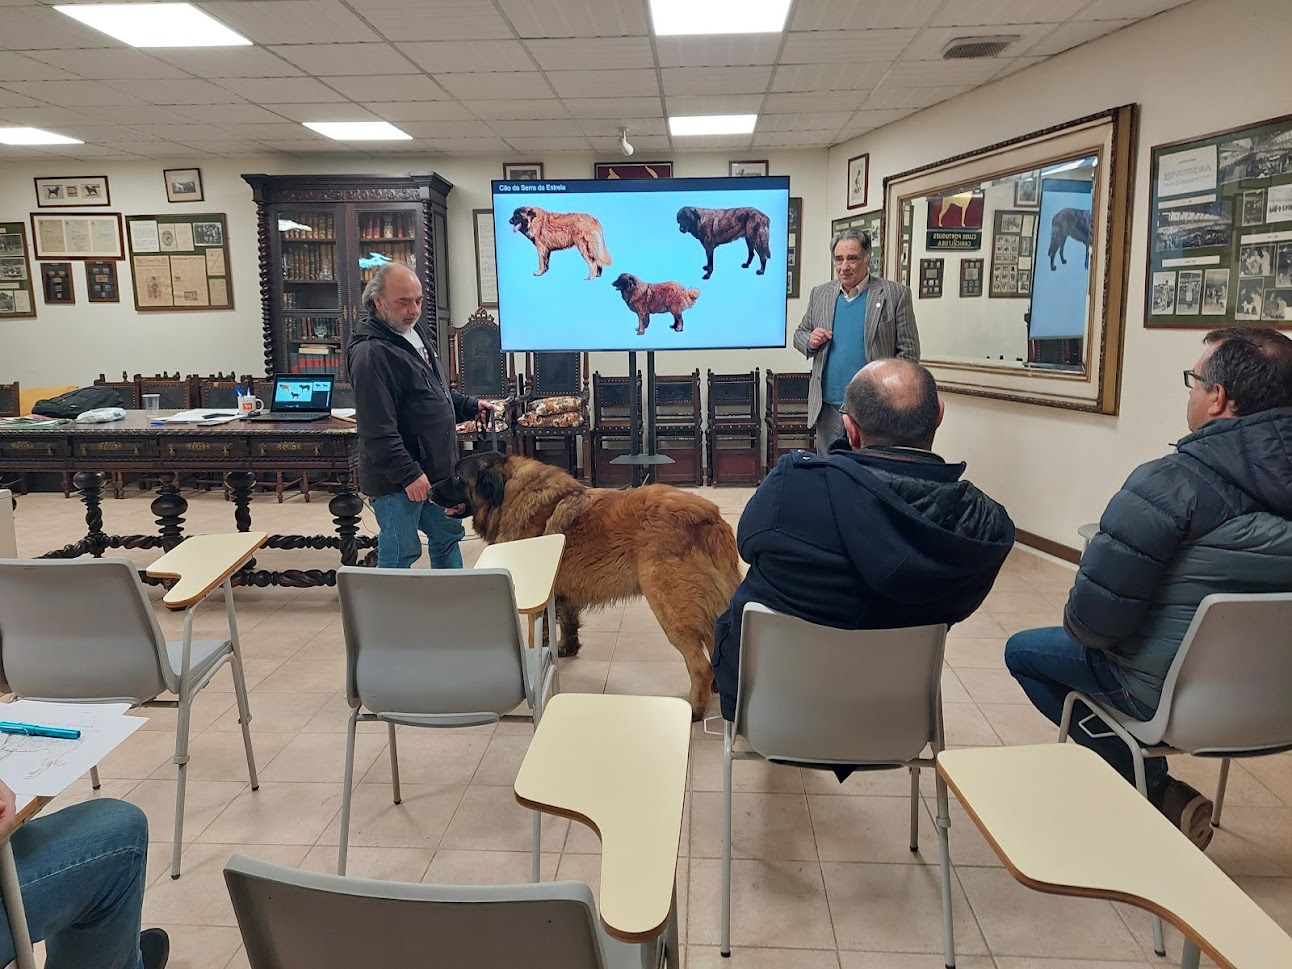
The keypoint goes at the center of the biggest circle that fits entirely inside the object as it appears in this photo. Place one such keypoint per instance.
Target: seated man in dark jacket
(1212, 517)
(879, 534)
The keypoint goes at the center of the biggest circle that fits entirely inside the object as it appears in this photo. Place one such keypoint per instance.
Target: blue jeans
(1049, 664)
(399, 519)
(82, 876)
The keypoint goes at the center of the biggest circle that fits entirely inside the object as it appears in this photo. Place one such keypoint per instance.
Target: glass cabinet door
(310, 302)
(383, 235)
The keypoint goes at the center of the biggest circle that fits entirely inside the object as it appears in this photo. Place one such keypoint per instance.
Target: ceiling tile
(90, 151)
(1016, 64)
(931, 42)
(605, 84)
(177, 91)
(514, 84)
(279, 90)
(506, 109)
(829, 77)
(724, 51)
(396, 111)
(846, 46)
(141, 114)
(183, 132)
(275, 131)
(44, 28)
(899, 96)
(465, 57)
(714, 103)
(228, 61)
(330, 111)
(291, 21)
(609, 127)
(109, 65)
(324, 146)
(607, 53)
(402, 87)
(1118, 9)
(711, 142)
(1071, 34)
(874, 118)
(871, 15)
(795, 139)
(814, 101)
(999, 13)
(8, 99)
(616, 107)
(547, 127)
(72, 93)
(224, 113)
(802, 121)
(575, 18)
(943, 73)
(715, 80)
(16, 67)
(442, 20)
(550, 143)
(469, 146)
(448, 129)
(655, 144)
(354, 59)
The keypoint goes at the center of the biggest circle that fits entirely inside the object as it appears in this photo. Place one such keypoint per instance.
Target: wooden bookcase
(321, 237)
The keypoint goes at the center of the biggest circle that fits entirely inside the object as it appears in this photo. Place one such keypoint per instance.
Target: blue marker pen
(33, 730)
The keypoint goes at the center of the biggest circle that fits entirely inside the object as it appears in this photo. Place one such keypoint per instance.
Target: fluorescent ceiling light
(358, 130)
(34, 136)
(672, 17)
(712, 124)
(155, 24)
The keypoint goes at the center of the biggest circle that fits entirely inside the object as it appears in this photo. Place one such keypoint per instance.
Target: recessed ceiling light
(712, 124)
(358, 130)
(155, 24)
(718, 16)
(34, 136)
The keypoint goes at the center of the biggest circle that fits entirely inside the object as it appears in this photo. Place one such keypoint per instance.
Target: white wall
(73, 344)
(1054, 470)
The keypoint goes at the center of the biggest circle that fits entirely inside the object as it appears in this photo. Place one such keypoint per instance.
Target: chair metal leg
(394, 764)
(347, 790)
(537, 850)
(944, 862)
(1191, 956)
(728, 739)
(1137, 759)
(95, 783)
(240, 685)
(915, 808)
(181, 780)
(1220, 792)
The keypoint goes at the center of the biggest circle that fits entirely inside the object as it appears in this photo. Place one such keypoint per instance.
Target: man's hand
(818, 337)
(485, 410)
(8, 810)
(419, 489)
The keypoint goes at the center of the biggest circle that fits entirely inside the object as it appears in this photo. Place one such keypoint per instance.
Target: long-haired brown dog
(717, 227)
(645, 299)
(553, 231)
(660, 542)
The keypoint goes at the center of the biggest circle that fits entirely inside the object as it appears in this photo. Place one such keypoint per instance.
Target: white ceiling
(521, 77)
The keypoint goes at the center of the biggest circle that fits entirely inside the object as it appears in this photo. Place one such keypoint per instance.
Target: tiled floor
(822, 876)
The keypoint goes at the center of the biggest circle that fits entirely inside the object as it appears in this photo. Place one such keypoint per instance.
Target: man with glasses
(1215, 516)
(851, 321)
(407, 421)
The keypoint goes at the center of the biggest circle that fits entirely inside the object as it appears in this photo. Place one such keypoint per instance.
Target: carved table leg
(241, 485)
(346, 506)
(90, 485)
(169, 506)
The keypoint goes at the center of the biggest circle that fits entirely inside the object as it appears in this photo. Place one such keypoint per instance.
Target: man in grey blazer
(849, 322)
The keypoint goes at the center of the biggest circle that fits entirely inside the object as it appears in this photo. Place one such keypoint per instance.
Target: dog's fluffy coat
(645, 299)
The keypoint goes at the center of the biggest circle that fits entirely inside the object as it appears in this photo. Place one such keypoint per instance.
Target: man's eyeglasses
(1192, 378)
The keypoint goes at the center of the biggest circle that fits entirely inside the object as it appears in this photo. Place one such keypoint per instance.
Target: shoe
(1187, 810)
(154, 948)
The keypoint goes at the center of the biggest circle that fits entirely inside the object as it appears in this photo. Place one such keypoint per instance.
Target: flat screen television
(624, 264)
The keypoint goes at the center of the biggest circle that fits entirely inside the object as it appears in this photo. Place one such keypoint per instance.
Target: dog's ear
(491, 486)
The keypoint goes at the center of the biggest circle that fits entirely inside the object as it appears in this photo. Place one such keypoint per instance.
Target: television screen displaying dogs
(669, 264)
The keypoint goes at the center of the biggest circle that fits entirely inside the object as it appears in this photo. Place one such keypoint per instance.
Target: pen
(33, 730)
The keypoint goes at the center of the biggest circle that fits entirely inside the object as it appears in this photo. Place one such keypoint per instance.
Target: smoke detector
(968, 48)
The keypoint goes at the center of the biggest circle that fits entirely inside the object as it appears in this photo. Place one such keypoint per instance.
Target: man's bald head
(892, 402)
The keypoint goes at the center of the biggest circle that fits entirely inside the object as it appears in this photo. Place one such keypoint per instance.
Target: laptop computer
(299, 397)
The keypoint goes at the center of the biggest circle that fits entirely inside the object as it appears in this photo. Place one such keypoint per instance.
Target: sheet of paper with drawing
(46, 766)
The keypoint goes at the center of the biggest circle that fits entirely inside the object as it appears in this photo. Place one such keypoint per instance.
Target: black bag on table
(76, 402)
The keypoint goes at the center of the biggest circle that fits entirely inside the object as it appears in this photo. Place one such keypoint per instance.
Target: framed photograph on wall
(659, 169)
(522, 172)
(172, 269)
(871, 223)
(77, 236)
(183, 184)
(66, 193)
(486, 267)
(793, 269)
(101, 282)
(747, 169)
(16, 300)
(971, 274)
(1027, 193)
(858, 180)
(56, 280)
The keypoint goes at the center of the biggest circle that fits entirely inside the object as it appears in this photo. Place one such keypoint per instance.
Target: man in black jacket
(879, 534)
(1215, 516)
(407, 419)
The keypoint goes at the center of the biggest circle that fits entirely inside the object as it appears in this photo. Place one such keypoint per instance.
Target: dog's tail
(603, 255)
(762, 230)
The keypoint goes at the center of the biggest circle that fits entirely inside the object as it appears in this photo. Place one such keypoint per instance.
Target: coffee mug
(249, 404)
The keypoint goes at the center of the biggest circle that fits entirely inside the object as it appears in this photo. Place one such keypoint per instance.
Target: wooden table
(533, 564)
(1065, 822)
(618, 764)
(11, 891)
(239, 448)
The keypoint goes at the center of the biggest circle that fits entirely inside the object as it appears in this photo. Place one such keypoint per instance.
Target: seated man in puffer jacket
(1215, 516)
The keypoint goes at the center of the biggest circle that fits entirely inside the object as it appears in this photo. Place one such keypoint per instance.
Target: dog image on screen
(717, 227)
(1074, 223)
(646, 299)
(552, 231)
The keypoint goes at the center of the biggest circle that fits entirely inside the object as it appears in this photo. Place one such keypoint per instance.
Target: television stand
(635, 458)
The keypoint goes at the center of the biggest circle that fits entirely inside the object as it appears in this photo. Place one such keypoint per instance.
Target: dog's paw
(568, 649)
(761, 271)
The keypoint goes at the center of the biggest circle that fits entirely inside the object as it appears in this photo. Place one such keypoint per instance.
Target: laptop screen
(293, 392)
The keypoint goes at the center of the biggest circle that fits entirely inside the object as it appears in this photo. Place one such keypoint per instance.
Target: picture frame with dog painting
(858, 181)
(522, 171)
(183, 184)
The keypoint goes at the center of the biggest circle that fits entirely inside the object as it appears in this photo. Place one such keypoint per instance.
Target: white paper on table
(47, 766)
(342, 411)
(198, 416)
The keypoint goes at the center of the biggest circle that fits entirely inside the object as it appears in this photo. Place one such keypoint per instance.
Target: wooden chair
(11, 406)
(611, 434)
(787, 424)
(550, 429)
(679, 429)
(220, 390)
(479, 368)
(176, 393)
(127, 388)
(733, 428)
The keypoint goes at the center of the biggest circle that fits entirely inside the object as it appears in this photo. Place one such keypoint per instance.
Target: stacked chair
(612, 402)
(733, 429)
(787, 415)
(679, 432)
